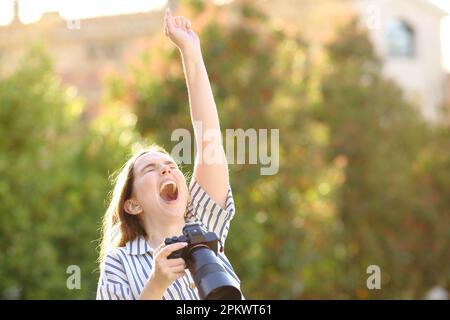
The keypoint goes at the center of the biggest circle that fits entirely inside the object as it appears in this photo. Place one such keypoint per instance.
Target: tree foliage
(393, 214)
(54, 168)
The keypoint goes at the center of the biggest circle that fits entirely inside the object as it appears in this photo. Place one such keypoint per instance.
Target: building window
(400, 39)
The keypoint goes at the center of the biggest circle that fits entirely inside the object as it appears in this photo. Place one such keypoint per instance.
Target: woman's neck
(158, 232)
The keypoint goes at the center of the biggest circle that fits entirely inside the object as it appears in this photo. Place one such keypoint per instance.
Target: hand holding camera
(166, 270)
(200, 255)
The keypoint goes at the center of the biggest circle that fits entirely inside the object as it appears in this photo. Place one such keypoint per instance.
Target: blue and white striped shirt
(126, 269)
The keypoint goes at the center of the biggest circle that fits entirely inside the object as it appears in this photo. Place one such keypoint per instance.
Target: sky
(31, 11)
(444, 4)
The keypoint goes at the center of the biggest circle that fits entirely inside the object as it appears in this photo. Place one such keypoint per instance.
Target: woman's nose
(165, 169)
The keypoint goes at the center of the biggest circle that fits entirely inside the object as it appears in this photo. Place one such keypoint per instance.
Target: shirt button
(192, 285)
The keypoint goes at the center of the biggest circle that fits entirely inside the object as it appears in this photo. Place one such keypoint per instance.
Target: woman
(151, 200)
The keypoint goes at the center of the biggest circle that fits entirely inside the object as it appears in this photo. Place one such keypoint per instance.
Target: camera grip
(176, 254)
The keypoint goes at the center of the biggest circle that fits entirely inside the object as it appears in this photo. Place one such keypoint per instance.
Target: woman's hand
(178, 30)
(165, 271)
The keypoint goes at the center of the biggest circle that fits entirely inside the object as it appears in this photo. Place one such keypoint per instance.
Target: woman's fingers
(177, 269)
(167, 250)
(175, 262)
(186, 24)
(172, 23)
(169, 20)
(179, 30)
(158, 249)
(179, 22)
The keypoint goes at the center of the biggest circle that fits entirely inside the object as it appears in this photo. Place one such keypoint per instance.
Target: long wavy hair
(119, 227)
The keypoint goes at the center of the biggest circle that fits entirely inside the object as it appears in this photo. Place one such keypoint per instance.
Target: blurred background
(359, 89)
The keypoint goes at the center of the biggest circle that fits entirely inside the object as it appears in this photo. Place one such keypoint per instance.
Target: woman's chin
(174, 208)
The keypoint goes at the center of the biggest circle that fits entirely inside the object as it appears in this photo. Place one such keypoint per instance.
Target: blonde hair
(119, 227)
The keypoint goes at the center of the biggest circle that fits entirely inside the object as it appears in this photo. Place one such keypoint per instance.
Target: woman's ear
(131, 206)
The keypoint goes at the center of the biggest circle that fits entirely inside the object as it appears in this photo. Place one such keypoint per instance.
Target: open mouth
(169, 191)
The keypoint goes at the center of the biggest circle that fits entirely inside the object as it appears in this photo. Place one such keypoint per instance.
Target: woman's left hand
(178, 30)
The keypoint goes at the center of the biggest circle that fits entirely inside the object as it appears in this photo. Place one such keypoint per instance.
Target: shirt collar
(138, 246)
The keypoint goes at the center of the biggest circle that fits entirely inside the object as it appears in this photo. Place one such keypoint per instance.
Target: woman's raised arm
(211, 167)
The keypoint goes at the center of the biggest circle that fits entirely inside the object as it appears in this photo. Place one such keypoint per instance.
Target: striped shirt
(126, 269)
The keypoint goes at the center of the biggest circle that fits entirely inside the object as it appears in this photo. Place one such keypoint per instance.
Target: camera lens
(213, 282)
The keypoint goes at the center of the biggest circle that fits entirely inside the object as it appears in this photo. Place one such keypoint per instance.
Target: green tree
(54, 168)
(386, 206)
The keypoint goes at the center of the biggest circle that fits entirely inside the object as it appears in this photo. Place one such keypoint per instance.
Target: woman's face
(159, 186)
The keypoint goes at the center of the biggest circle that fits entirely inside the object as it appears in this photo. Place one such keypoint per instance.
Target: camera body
(212, 280)
(195, 236)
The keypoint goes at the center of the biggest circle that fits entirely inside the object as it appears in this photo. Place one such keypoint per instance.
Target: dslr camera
(200, 255)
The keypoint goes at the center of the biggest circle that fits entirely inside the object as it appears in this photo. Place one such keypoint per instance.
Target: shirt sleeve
(113, 283)
(205, 211)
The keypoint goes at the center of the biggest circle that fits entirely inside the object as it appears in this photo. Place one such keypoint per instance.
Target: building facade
(406, 35)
